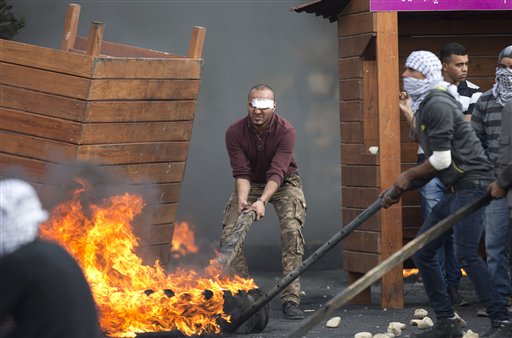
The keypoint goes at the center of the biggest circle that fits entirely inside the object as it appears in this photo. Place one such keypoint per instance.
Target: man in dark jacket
(42, 289)
(456, 157)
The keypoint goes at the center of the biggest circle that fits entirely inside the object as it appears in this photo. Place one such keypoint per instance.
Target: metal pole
(288, 279)
(378, 271)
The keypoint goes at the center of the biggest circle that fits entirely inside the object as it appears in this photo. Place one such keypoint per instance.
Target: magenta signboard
(440, 5)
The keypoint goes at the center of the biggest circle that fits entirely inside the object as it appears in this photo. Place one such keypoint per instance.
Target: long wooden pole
(378, 271)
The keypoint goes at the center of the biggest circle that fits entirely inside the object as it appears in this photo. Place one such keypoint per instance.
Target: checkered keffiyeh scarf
(502, 89)
(429, 65)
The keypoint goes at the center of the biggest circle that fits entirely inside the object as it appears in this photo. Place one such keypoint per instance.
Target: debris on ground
(425, 323)
(420, 313)
(363, 335)
(396, 328)
(470, 334)
(333, 322)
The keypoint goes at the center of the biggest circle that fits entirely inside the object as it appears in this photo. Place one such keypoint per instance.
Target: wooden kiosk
(372, 51)
(127, 109)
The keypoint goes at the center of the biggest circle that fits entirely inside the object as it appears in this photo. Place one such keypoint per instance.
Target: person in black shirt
(43, 291)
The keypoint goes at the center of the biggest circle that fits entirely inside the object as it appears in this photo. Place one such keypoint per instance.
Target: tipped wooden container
(128, 109)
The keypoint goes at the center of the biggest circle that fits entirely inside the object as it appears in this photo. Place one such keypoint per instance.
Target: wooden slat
(360, 176)
(70, 27)
(408, 151)
(36, 169)
(485, 83)
(163, 213)
(41, 103)
(160, 234)
(95, 39)
(411, 198)
(355, 24)
(351, 132)
(354, 45)
(140, 111)
(144, 89)
(156, 193)
(133, 153)
(34, 147)
(362, 262)
(125, 51)
(351, 111)
(147, 172)
(479, 66)
(372, 224)
(355, 6)
(389, 150)
(356, 154)
(40, 126)
(176, 68)
(363, 241)
(412, 217)
(492, 46)
(454, 23)
(101, 133)
(365, 296)
(370, 105)
(150, 253)
(350, 68)
(195, 49)
(45, 58)
(351, 89)
(359, 197)
(44, 81)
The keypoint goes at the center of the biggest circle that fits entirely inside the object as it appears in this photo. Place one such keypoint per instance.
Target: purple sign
(440, 5)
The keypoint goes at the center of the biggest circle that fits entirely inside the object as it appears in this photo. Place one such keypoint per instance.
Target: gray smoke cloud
(247, 42)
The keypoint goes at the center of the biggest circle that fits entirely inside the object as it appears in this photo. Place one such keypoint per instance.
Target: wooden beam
(70, 27)
(195, 49)
(389, 151)
(95, 38)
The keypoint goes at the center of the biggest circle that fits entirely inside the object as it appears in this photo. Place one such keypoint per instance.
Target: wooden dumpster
(126, 109)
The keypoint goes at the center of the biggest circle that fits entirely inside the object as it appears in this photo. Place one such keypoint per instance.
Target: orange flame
(409, 272)
(131, 297)
(183, 241)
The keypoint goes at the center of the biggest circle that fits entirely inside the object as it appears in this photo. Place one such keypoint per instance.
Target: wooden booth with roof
(126, 109)
(375, 146)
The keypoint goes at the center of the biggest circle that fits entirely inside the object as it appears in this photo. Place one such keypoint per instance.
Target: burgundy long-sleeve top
(260, 158)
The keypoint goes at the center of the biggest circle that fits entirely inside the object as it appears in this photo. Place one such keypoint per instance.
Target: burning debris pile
(131, 297)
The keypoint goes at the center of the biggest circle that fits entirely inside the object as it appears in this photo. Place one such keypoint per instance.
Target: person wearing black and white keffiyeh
(487, 122)
(455, 156)
(43, 291)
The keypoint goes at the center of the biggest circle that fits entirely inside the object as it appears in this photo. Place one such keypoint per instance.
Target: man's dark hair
(262, 87)
(451, 48)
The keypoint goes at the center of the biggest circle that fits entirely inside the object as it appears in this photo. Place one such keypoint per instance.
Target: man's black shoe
(291, 311)
(443, 328)
(455, 297)
(499, 329)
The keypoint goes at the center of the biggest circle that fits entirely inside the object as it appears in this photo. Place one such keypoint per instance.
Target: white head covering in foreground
(20, 214)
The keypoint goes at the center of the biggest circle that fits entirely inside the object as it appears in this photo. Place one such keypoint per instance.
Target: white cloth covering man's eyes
(262, 103)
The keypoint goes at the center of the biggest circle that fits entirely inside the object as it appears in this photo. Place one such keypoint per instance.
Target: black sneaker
(443, 328)
(499, 329)
(291, 311)
(455, 297)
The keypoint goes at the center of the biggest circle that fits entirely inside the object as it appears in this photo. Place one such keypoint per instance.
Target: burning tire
(237, 304)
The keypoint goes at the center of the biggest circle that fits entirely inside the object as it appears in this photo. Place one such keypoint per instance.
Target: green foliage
(9, 24)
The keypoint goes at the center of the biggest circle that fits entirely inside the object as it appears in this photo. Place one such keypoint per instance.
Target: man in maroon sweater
(260, 148)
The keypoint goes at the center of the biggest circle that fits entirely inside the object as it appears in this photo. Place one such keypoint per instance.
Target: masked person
(486, 121)
(42, 288)
(260, 148)
(454, 155)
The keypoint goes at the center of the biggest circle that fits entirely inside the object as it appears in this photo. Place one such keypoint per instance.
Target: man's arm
(259, 205)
